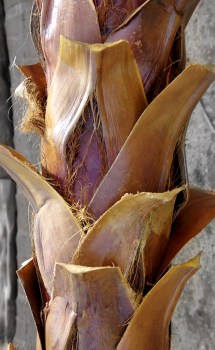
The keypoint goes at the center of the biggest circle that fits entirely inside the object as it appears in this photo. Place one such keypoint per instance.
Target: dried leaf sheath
(103, 147)
(66, 18)
(59, 313)
(35, 29)
(121, 97)
(50, 235)
(190, 9)
(151, 48)
(81, 70)
(37, 75)
(101, 299)
(28, 277)
(134, 229)
(113, 13)
(197, 213)
(142, 165)
(149, 327)
(34, 119)
(10, 347)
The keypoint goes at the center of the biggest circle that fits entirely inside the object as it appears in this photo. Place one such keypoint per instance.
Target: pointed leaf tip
(88, 70)
(142, 166)
(196, 214)
(37, 75)
(28, 277)
(11, 347)
(146, 218)
(149, 327)
(194, 262)
(50, 236)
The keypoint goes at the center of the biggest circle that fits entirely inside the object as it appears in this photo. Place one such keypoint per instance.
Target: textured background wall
(7, 202)
(20, 48)
(194, 320)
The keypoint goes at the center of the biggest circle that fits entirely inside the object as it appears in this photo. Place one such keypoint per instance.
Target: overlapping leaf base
(111, 100)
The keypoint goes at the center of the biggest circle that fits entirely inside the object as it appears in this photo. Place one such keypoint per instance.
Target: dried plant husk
(52, 26)
(112, 14)
(101, 299)
(10, 347)
(132, 235)
(36, 73)
(151, 48)
(103, 147)
(38, 343)
(197, 213)
(119, 101)
(149, 326)
(173, 67)
(191, 5)
(177, 56)
(34, 119)
(60, 313)
(47, 204)
(28, 277)
(35, 29)
(145, 166)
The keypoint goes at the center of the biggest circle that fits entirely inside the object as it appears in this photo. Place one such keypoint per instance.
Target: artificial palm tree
(112, 207)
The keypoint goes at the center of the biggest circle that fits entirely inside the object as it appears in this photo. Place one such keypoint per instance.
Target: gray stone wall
(7, 202)
(193, 324)
(194, 319)
(21, 51)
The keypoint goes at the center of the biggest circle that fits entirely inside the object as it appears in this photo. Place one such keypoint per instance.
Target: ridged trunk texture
(24, 340)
